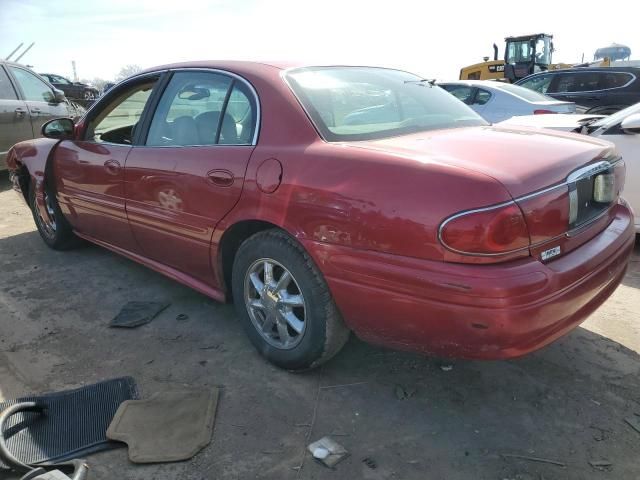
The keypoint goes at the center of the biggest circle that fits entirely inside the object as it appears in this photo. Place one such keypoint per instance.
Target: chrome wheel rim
(48, 224)
(275, 303)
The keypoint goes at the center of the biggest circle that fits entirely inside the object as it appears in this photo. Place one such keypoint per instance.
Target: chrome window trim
(633, 79)
(571, 179)
(257, 121)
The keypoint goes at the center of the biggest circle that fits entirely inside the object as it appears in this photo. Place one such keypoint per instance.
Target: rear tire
(52, 226)
(286, 308)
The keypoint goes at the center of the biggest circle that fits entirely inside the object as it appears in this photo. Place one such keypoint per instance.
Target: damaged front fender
(27, 162)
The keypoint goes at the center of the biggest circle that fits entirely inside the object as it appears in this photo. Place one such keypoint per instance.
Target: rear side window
(461, 92)
(524, 93)
(203, 108)
(482, 97)
(578, 82)
(615, 80)
(6, 89)
(33, 88)
(238, 124)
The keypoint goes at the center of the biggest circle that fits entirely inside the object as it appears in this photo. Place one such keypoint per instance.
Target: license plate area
(591, 194)
(604, 188)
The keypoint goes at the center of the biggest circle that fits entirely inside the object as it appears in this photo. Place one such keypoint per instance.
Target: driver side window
(117, 121)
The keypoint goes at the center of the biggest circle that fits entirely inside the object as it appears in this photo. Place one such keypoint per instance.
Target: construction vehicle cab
(523, 56)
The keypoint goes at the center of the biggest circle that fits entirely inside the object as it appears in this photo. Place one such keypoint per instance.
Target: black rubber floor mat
(74, 424)
(134, 314)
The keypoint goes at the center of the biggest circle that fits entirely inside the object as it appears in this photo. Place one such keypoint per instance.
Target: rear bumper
(475, 311)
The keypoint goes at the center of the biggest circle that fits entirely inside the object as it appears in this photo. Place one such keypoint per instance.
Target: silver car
(26, 102)
(498, 101)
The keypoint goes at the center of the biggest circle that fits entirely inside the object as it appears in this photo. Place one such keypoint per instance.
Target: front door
(191, 169)
(90, 171)
(15, 125)
(39, 98)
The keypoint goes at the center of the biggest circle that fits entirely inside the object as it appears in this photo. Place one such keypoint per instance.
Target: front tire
(52, 226)
(284, 303)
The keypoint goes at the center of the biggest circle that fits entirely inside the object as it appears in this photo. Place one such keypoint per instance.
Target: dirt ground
(566, 403)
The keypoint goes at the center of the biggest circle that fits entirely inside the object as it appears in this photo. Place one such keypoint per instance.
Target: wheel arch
(230, 242)
(30, 162)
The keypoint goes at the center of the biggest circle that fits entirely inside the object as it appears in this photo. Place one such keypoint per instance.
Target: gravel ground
(410, 417)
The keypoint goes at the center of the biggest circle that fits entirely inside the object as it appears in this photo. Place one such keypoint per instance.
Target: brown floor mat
(168, 427)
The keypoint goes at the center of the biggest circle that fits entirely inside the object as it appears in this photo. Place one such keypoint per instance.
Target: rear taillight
(542, 111)
(491, 231)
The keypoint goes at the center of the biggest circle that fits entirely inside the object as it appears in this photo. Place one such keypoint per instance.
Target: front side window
(538, 83)
(519, 52)
(33, 88)
(365, 103)
(117, 121)
(6, 89)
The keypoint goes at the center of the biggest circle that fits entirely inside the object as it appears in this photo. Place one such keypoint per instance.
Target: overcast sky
(433, 39)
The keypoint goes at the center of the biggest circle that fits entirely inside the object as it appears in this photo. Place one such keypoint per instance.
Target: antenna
(25, 51)
(14, 51)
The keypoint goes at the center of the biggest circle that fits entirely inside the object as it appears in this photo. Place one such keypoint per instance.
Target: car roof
(230, 65)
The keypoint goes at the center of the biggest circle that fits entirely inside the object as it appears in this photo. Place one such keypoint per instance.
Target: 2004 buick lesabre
(325, 200)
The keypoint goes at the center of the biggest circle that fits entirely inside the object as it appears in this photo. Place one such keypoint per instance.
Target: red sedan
(325, 200)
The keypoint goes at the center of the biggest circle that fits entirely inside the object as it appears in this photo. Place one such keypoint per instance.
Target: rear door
(15, 124)
(583, 88)
(89, 171)
(39, 98)
(191, 169)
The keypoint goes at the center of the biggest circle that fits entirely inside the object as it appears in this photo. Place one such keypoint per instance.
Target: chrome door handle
(20, 111)
(222, 178)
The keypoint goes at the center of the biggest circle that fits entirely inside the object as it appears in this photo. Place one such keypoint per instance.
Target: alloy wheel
(47, 221)
(275, 303)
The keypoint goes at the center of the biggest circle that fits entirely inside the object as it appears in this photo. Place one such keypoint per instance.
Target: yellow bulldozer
(523, 56)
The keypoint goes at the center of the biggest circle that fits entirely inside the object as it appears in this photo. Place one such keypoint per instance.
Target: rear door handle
(20, 111)
(222, 178)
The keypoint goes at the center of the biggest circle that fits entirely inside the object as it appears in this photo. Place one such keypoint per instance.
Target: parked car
(73, 90)
(26, 102)
(498, 101)
(599, 90)
(621, 128)
(428, 230)
(107, 86)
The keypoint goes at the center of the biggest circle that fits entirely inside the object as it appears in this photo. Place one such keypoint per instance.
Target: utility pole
(24, 52)
(75, 74)
(14, 51)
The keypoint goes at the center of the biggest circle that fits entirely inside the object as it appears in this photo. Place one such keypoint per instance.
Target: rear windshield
(523, 92)
(365, 103)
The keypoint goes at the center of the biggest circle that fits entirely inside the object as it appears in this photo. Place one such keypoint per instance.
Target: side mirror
(631, 124)
(58, 96)
(58, 128)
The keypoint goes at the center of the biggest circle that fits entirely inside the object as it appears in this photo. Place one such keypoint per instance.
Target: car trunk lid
(553, 176)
